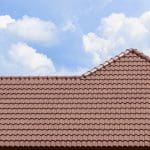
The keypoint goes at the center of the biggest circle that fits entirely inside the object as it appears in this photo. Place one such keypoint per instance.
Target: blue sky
(66, 37)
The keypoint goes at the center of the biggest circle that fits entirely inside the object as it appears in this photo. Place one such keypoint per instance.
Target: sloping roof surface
(108, 106)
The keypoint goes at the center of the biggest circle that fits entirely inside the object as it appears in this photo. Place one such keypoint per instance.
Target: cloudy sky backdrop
(68, 37)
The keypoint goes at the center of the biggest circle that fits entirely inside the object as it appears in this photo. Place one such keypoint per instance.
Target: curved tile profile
(109, 106)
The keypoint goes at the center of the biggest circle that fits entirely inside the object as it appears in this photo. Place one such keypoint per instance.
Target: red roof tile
(107, 106)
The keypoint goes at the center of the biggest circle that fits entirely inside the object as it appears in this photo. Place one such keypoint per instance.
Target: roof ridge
(39, 77)
(107, 62)
(141, 54)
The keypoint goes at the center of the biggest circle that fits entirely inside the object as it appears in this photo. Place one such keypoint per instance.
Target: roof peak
(127, 51)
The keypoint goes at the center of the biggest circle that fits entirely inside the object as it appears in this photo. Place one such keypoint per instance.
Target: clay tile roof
(107, 106)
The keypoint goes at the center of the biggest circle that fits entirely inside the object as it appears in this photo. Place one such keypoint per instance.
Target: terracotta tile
(108, 106)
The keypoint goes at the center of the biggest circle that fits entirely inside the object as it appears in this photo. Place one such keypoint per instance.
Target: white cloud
(118, 32)
(30, 29)
(69, 26)
(95, 43)
(34, 29)
(5, 21)
(16, 56)
(27, 57)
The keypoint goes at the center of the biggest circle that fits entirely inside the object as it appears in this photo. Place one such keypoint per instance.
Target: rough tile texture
(108, 106)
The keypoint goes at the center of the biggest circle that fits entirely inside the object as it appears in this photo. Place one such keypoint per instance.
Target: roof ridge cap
(39, 77)
(141, 54)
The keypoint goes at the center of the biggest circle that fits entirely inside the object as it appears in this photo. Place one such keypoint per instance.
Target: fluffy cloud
(118, 32)
(30, 29)
(34, 29)
(16, 56)
(95, 45)
(5, 21)
(32, 61)
(18, 38)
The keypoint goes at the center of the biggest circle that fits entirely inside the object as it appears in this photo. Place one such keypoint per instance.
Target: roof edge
(39, 77)
(136, 51)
